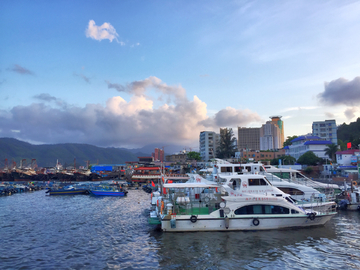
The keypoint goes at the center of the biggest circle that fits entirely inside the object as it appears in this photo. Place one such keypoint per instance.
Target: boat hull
(107, 193)
(208, 223)
(69, 192)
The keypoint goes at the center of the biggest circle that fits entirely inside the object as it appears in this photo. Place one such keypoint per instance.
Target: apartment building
(270, 136)
(326, 130)
(208, 141)
(248, 138)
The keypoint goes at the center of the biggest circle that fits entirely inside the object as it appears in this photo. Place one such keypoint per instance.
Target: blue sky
(130, 73)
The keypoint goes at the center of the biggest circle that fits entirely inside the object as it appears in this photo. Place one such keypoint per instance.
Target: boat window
(226, 169)
(289, 200)
(294, 211)
(237, 169)
(291, 191)
(236, 183)
(262, 209)
(257, 182)
(299, 175)
(261, 169)
(282, 175)
(268, 182)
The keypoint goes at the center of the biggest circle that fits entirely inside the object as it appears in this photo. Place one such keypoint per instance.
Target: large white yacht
(233, 202)
(299, 187)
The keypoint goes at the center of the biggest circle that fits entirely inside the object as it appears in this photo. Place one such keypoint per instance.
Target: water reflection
(84, 232)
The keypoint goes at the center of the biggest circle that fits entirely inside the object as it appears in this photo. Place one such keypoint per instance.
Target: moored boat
(221, 207)
(108, 191)
(68, 190)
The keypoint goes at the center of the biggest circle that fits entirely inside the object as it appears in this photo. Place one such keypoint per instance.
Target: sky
(132, 73)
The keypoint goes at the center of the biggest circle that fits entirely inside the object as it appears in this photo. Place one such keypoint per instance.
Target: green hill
(350, 133)
(46, 155)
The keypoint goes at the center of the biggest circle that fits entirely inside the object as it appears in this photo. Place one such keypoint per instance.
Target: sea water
(38, 231)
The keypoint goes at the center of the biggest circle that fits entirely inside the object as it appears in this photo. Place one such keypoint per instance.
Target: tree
(309, 158)
(288, 140)
(342, 145)
(227, 146)
(330, 150)
(194, 155)
(285, 160)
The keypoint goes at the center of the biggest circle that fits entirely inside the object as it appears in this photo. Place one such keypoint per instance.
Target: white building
(326, 130)
(347, 157)
(303, 144)
(270, 136)
(209, 141)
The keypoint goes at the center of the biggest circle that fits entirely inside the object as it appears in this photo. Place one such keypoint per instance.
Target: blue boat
(108, 191)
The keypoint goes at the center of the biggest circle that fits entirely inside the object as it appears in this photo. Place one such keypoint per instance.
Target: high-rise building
(208, 141)
(326, 130)
(248, 138)
(277, 121)
(159, 155)
(270, 136)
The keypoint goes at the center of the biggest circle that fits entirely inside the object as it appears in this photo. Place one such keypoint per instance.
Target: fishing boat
(68, 190)
(222, 206)
(108, 191)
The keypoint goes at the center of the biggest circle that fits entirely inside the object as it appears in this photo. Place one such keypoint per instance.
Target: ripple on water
(85, 232)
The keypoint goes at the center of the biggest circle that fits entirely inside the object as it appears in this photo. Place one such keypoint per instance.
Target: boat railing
(192, 204)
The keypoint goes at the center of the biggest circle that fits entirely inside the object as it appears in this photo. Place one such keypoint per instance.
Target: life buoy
(256, 222)
(193, 219)
(354, 183)
(311, 216)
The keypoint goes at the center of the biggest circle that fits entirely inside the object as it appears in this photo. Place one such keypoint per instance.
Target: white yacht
(238, 202)
(301, 191)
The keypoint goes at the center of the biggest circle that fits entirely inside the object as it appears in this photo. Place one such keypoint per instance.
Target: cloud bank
(136, 122)
(341, 92)
(105, 31)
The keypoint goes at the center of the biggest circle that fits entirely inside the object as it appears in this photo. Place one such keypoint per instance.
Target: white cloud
(299, 108)
(120, 122)
(105, 31)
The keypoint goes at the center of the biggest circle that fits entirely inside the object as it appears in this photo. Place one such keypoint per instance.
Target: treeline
(349, 133)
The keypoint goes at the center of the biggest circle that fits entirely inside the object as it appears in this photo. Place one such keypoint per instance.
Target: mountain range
(47, 155)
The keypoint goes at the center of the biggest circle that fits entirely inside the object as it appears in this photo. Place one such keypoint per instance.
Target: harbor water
(38, 231)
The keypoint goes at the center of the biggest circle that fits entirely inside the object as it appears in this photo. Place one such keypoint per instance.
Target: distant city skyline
(129, 74)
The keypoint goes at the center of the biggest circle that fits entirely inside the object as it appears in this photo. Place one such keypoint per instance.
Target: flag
(152, 183)
(349, 145)
(163, 179)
